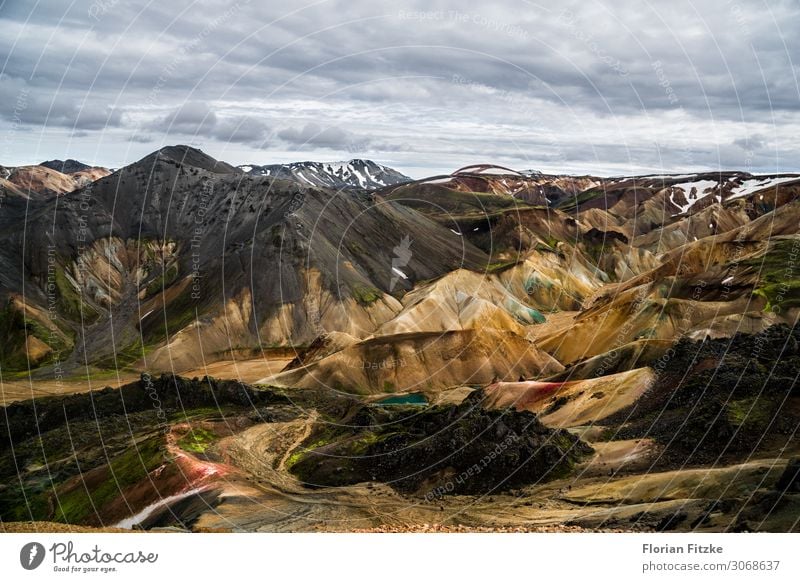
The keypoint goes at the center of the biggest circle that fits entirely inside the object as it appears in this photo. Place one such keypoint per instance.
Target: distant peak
(356, 173)
(69, 166)
(191, 156)
(486, 169)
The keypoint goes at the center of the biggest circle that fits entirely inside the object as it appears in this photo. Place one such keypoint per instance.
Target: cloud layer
(607, 87)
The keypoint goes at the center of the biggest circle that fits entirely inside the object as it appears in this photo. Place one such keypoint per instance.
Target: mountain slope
(190, 255)
(180, 258)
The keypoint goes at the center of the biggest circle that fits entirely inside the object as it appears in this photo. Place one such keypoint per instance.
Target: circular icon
(31, 555)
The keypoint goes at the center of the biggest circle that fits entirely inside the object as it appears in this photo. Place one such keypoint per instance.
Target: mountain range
(583, 313)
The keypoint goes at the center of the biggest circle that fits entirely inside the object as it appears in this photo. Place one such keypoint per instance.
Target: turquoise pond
(415, 399)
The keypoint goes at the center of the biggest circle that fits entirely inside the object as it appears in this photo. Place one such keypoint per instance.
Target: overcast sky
(606, 87)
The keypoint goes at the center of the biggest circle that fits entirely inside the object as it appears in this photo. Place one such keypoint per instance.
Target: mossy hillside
(78, 502)
(180, 312)
(70, 303)
(167, 277)
(572, 203)
(97, 437)
(780, 274)
(43, 463)
(322, 436)
(722, 397)
(596, 251)
(197, 440)
(14, 331)
(754, 413)
(123, 357)
(414, 450)
(15, 328)
(458, 204)
(49, 466)
(166, 393)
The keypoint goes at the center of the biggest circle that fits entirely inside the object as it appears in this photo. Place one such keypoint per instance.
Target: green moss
(365, 294)
(197, 440)
(595, 251)
(550, 244)
(70, 303)
(206, 412)
(322, 438)
(752, 412)
(294, 458)
(33, 502)
(180, 312)
(167, 278)
(362, 444)
(784, 295)
(461, 205)
(95, 374)
(15, 328)
(500, 266)
(124, 471)
(572, 203)
(779, 283)
(12, 348)
(53, 338)
(123, 357)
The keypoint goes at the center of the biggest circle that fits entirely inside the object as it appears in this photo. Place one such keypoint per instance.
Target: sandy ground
(243, 370)
(26, 388)
(248, 371)
(263, 496)
(53, 527)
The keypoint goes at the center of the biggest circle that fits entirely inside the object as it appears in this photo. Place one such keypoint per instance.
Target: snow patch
(756, 184)
(701, 186)
(400, 273)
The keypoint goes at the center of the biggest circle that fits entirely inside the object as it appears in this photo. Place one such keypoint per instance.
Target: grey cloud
(246, 130)
(191, 118)
(23, 103)
(196, 119)
(752, 142)
(379, 76)
(141, 138)
(311, 134)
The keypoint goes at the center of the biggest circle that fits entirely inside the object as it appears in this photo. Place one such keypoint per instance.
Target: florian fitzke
(687, 549)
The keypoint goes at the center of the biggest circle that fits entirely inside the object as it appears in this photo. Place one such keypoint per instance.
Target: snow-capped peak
(351, 174)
